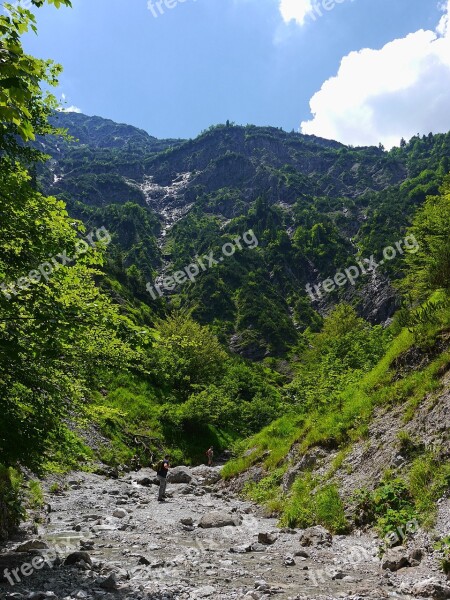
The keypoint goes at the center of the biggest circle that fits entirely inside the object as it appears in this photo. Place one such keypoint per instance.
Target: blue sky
(252, 61)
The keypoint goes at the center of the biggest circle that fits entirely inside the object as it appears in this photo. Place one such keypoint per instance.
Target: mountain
(316, 205)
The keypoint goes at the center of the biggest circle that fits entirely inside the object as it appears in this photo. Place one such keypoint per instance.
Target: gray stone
(432, 588)
(395, 559)
(120, 513)
(179, 475)
(32, 545)
(78, 557)
(219, 519)
(267, 538)
(110, 583)
(316, 536)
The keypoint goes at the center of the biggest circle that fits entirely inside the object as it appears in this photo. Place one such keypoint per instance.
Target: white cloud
(70, 109)
(383, 95)
(295, 10)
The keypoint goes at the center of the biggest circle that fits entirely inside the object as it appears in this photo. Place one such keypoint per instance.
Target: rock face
(179, 475)
(316, 536)
(219, 519)
(306, 462)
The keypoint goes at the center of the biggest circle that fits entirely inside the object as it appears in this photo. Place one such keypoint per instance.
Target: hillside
(316, 206)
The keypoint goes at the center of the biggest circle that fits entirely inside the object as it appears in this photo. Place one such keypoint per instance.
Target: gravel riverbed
(110, 539)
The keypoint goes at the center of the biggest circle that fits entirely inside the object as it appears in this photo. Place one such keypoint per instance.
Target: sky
(358, 71)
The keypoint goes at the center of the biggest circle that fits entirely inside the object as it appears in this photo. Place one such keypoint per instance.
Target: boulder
(415, 556)
(32, 545)
(110, 583)
(219, 519)
(206, 475)
(432, 588)
(77, 557)
(241, 549)
(395, 559)
(120, 513)
(316, 536)
(188, 521)
(267, 538)
(145, 481)
(179, 475)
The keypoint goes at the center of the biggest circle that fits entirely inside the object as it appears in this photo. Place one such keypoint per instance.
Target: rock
(306, 462)
(415, 556)
(143, 561)
(337, 575)
(395, 559)
(206, 475)
(120, 513)
(110, 583)
(204, 592)
(259, 547)
(219, 519)
(78, 557)
(302, 554)
(241, 549)
(188, 521)
(179, 475)
(32, 545)
(86, 544)
(431, 588)
(267, 538)
(145, 481)
(289, 561)
(316, 536)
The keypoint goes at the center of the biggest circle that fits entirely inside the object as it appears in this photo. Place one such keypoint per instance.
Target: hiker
(163, 467)
(210, 455)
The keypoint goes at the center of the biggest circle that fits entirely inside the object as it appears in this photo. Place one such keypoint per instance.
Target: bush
(11, 501)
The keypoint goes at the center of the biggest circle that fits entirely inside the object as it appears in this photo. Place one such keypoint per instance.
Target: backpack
(158, 466)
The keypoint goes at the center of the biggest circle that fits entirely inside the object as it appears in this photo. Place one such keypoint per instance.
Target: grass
(35, 495)
(313, 504)
(313, 501)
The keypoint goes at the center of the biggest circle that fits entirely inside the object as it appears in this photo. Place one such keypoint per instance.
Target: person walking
(163, 468)
(210, 455)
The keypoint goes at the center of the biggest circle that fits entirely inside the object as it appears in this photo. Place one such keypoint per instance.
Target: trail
(144, 550)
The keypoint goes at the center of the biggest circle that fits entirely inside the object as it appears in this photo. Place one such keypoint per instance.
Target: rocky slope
(202, 543)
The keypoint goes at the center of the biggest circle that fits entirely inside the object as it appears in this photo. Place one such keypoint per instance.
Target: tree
(24, 107)
(56, 328)
(188, 356)
(54, 333)
(429, 267)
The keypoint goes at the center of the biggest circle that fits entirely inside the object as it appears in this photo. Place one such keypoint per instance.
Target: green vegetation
(92, 370)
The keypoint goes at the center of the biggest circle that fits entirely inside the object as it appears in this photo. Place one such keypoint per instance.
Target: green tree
(24, 106)
(429, 267)
(187, 356)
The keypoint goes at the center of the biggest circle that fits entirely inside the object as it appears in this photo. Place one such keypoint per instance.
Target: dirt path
(144, 550)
